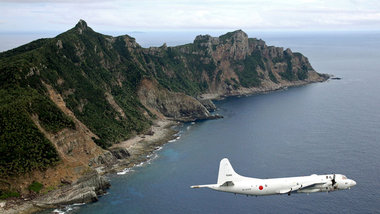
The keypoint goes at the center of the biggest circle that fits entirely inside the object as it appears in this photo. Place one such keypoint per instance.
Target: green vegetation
(249, 76)
(228, 36)
(303, 73)
(74, 59)
(22, 146)
(35, 187)
(8, 194)
(288, 74)
(277, 59)
(48, 189)
(293, 74)
(272, 77)
(183, 72)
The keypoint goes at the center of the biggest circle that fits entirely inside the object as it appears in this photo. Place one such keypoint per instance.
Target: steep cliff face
(78, 93)
(176, 105)
(234, 64)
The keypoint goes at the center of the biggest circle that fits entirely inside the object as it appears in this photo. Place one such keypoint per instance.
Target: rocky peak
(237, 43)
(81, 26)
(288, 52)
(130, 42)
(206, 41)
(238, 35)
(202, 38)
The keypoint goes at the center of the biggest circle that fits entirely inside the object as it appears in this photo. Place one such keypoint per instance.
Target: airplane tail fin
(227, 174)
(226, 177)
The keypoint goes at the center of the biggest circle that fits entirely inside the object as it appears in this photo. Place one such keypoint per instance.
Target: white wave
(140, 164)
(57, 211)
(67, 208)
(154, 156)
(125, 171)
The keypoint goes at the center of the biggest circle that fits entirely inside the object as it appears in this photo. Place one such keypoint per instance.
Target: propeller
(333, 182)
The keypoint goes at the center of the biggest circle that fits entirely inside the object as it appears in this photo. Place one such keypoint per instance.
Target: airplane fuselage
(230, 181)
(254, 186)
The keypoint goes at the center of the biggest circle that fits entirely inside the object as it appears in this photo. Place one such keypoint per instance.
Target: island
(84, 104)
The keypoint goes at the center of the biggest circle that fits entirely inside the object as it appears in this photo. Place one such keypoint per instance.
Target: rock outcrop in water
(82, 91)
(85, 190)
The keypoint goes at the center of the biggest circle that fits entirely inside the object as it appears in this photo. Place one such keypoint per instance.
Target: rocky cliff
(232, 64)
(65, 100)
(175, 105)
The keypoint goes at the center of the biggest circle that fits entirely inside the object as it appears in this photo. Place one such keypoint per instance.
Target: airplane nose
(353, 183)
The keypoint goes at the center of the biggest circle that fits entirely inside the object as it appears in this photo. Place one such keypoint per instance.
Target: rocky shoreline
(85, 190)
(266, 88)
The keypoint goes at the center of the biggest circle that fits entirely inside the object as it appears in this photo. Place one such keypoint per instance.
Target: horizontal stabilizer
(204, 186)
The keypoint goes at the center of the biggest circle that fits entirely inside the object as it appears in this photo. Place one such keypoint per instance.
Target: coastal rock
(85, 190)
(120, 153)
(210, 106)
(110, 160)
(178, 106)
(105, 159)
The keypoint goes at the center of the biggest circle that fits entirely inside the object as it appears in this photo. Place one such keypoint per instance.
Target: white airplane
(230, 181)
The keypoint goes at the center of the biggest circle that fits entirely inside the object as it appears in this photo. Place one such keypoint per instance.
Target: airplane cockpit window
(344, 177)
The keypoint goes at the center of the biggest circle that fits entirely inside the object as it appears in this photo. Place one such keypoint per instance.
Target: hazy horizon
(13, 39)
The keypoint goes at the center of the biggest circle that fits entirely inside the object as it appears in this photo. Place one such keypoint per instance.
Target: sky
(142, 15)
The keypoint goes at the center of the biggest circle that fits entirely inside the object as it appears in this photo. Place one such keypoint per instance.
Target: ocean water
(329, 127)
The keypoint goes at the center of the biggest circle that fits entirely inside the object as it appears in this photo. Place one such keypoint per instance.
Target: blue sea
(329, 127)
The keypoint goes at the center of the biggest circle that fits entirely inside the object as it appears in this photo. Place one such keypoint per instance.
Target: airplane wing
(300, 186)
